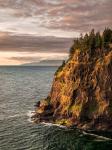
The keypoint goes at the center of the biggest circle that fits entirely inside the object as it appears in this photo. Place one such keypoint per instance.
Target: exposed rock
(81, 93)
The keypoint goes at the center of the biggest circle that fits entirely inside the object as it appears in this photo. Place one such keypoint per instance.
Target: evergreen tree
(92, 42)
(98, 41)
(86, 42)
(107, 38)
(81, 44)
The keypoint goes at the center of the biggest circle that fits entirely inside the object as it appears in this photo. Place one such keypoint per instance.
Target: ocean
(20, 88)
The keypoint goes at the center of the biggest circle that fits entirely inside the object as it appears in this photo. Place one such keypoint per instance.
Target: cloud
(38, 29)
(18, 49)
(81, 16)
(31, 43)
(59, 18)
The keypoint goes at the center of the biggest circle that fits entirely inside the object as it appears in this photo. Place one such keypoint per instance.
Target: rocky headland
(81, 93)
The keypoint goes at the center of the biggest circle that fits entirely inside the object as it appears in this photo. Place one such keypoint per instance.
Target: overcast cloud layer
(33, 16)
(30, 43)
(47, 18)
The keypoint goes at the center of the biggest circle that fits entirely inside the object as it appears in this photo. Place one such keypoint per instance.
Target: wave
(99, 137)
(52, 124)
(30, 114)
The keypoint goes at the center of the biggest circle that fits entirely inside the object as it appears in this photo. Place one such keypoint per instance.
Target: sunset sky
(33, 30)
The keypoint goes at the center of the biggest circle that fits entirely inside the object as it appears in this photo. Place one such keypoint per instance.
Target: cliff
(81, 94)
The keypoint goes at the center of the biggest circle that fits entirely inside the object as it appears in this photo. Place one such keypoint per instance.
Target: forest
(93, 41)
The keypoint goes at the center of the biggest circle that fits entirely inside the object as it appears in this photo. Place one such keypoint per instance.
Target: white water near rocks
(20, 88)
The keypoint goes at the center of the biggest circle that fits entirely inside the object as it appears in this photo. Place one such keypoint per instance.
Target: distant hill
(45, 63)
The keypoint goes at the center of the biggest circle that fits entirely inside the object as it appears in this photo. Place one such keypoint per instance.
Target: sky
(34, 30)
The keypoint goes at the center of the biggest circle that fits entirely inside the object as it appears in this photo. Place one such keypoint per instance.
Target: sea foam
(30, 114)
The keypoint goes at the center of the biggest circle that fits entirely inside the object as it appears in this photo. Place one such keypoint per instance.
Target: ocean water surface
(20, 88)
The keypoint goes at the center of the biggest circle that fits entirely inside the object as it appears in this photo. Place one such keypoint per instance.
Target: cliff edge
(81, 94)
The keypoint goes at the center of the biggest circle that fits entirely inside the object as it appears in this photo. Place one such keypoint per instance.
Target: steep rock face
(81, 93)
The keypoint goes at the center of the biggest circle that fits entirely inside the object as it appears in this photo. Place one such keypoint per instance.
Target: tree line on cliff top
(93, 41)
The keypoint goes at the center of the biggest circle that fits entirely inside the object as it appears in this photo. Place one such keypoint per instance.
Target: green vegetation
(93, 41)
(61, 67)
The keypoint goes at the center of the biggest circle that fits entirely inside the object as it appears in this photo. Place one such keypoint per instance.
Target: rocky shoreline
(81, 93)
